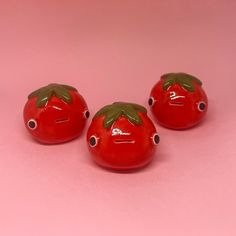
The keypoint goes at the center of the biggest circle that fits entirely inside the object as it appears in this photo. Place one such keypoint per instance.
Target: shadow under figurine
(55, 114)
(122, 137)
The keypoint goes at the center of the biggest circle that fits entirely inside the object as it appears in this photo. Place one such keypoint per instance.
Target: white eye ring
(32, 124)
(86, 114)
(155, 139)
(151, 101)
(93, 141)
(201, 106)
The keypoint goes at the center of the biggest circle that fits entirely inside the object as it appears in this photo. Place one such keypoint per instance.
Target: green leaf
(111, 117)
(44, 94)
(185, 83)
(103, 111)
(138, 107)
(167, 84)
(63, 94)
(183, 79)
(42, 99)
(36, 92)
(132, 115)
(116, 110)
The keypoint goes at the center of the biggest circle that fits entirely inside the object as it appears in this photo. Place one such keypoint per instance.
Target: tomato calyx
(44, 94)
(183, 79)
(116, 110)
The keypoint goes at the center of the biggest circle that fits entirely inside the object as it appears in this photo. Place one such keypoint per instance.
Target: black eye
(32, 124)
(93, 141)
(156, 139)
(86, 114)
(201, 106)
(151, 101)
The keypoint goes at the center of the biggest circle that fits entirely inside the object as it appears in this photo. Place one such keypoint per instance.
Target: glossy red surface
(57, 121)
(123, 146)
(177, 108)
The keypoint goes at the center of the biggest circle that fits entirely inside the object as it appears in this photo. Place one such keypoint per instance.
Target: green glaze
(114, 111)
(183, 79)
(44, 94)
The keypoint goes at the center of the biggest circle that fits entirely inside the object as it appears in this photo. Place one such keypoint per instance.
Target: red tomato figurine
(55, 114)
(178, 101)
(121, 137)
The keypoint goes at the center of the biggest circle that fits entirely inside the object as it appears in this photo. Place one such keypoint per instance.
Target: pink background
(116, 51)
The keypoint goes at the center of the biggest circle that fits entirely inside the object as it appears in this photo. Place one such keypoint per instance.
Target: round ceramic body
(118, 142)
(55, 114)
(178, 101)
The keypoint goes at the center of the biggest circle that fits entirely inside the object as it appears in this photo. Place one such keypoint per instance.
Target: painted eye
(201, 106)
(151, 101)
(86, 114)
(155, 138)
(93, 141)
(32, 124)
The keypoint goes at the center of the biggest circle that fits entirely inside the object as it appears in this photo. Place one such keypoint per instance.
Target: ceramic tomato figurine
(55, 114)
(122, 137)
(178, 101)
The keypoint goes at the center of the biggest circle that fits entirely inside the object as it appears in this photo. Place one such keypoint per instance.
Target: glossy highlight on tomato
(122, 137)
(55, 114)
(178, 101)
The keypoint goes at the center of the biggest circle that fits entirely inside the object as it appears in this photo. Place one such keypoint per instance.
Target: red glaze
(124, 145)
(177, 106)
(57, 121)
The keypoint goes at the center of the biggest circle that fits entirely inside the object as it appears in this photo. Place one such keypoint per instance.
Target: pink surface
(116, 51)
